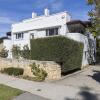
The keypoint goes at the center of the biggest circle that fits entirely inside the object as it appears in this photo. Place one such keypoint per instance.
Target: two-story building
(39, 27)
(44, 26)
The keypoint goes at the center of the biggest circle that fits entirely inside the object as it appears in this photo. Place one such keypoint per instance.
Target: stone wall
(53, 69)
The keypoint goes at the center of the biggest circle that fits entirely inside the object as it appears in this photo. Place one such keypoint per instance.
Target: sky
(12, 11)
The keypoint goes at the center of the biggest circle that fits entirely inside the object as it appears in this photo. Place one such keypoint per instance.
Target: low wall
(53, 69)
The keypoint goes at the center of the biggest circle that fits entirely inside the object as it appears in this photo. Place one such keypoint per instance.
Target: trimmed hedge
(13, 71)
(68, 53)
(1, 41)
(98, 50)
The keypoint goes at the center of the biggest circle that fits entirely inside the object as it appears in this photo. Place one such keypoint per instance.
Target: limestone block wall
(53, 69)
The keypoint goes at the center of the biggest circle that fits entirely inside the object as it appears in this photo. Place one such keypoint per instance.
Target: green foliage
(39, 73)
(1, 41)
(66, 52)
(4, 53)
(16, 52)
(90, 2)
(98, 48)
(95, 17)
(25, 53)
(13, 71)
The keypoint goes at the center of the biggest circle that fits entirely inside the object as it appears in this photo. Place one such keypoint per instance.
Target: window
(52, 31)
(19, 35)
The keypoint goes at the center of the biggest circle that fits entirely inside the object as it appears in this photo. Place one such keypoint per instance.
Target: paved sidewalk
(49, 90)
(46, 90)
(56, 91)
(29, 96)
(89, 77)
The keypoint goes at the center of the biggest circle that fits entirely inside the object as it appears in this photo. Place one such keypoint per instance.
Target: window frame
(19, 36)
(52, 31)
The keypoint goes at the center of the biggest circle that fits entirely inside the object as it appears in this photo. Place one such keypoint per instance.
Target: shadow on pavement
(85, 94)
(96, 76)
(88, 96)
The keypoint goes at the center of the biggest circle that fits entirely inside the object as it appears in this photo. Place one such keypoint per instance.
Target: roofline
(42, 16)
(37, 29)
(76, 21)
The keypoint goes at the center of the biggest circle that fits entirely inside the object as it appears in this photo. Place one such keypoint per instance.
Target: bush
(66, 52)
(16, 52)
(4, 53)
(1, 41)
(39, 73)
(98, 49)
(25, 53)
(13, 71)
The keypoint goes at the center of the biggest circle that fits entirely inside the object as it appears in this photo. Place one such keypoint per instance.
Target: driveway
(89, 78)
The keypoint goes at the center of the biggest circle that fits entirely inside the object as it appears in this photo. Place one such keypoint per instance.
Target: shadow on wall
(85, 94)
(95, 76)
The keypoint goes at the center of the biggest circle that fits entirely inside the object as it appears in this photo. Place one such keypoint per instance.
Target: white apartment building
(40, 27)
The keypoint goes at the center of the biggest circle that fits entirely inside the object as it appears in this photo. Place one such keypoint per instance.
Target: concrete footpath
(29, 96)
(50, 90)
(89, 77)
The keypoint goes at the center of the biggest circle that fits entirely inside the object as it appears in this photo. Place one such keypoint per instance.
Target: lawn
(8, 93)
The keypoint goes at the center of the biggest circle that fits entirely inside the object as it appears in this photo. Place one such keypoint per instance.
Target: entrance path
(58, 90)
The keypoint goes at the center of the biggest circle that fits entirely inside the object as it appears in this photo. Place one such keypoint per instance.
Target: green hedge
(60, 49)
(13, 71)
(98, 49)
(1, 41)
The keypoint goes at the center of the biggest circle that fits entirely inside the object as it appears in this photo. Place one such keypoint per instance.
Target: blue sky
(12, 11)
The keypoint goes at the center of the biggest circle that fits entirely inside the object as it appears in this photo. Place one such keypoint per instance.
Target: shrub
(66, 52)
(98, 49)
(25, 53)
(1, 40)
(39, 73)
(4, 53)
(13, 71)
(16, 52)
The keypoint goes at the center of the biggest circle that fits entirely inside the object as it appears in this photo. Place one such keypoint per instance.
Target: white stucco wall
(21, 42)
(41, 22)
(40, 34)
(38, 26)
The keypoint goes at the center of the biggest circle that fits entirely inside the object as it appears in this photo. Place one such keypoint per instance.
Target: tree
(95, 20)
(4, 53)
(16, 51)
(95, 17)
(25, 53)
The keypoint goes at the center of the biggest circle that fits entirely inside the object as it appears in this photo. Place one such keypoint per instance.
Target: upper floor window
(19, 35)
(52, 31)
